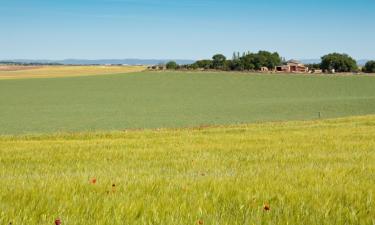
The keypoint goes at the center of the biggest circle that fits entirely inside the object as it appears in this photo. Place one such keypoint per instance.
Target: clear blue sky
(184, 29)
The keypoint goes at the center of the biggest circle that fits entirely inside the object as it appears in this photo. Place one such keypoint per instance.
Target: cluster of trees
(369, 67)
(340, 63)
(247, 61)
(344, 63)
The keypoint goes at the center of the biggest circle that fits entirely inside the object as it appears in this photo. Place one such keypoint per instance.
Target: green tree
(248, 61)
(369, 67)
(204, 64)
(255, 61)
(339, 63)
(193, 66)
(172, 65)
(235, 63)
(218, 61)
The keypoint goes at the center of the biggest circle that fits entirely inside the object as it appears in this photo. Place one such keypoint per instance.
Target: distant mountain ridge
(361, 62)
(102, 61)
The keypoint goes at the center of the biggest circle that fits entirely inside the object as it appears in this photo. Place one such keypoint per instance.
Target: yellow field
(316, 172)
(66, 71)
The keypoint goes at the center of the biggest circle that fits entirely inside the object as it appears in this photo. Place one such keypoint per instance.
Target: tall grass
(320, 172)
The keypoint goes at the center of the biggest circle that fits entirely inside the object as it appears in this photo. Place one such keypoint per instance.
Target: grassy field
(6, 72)
(317, 172)
(167, 99)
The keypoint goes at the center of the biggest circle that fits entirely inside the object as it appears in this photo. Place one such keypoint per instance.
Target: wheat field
(65, 71)
(316, 172)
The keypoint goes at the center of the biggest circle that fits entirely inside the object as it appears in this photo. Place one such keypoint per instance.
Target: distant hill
(101, 61)
(362, 62)
(310, 61)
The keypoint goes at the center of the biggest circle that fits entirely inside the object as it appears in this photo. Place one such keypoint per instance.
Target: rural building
(292, 66)
(157, 67)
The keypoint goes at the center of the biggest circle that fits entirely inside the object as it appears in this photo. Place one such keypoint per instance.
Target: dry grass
(17, 72)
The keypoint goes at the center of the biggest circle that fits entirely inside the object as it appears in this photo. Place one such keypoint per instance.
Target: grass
(316, 172)
(167, 99)
(67, 71)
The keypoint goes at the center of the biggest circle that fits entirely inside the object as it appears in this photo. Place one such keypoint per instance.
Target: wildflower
(200, 222)
(57, 222)
(266, 207)
(93, 181)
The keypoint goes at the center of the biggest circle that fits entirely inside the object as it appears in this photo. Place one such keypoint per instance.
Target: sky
(184, 29)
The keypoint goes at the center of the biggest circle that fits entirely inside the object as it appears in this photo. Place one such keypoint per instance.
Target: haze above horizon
(184, 29)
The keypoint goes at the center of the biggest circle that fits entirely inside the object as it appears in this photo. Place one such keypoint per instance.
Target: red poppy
(93, 181)
(57, 222)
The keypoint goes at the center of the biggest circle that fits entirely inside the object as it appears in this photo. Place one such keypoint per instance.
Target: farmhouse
(157, 67)
(292, 66)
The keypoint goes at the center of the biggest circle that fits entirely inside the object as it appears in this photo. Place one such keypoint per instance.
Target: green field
(320, 172)
(154, 100)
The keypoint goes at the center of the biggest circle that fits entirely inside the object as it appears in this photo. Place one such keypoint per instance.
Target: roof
(294, 61)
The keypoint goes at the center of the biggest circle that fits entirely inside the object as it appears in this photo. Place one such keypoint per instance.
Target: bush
(172, 65)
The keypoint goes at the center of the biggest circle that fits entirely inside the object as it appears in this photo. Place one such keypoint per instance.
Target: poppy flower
(93, 181)
(57, 222)
(266, 207)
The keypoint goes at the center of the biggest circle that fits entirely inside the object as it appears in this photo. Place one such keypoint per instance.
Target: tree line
(248, 61)
(240, 62)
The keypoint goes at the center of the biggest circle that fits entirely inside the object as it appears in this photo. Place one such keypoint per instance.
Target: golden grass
(315, 172)
(67, 71)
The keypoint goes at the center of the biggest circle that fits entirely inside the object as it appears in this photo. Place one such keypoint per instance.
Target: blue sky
(184, 29)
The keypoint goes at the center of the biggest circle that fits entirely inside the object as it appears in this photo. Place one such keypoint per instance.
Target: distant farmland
(168, 99)
(14, 72)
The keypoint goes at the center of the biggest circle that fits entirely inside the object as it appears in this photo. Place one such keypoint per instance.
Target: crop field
(313, 172)
(186, 148)
(174, 100)
(14, 72)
